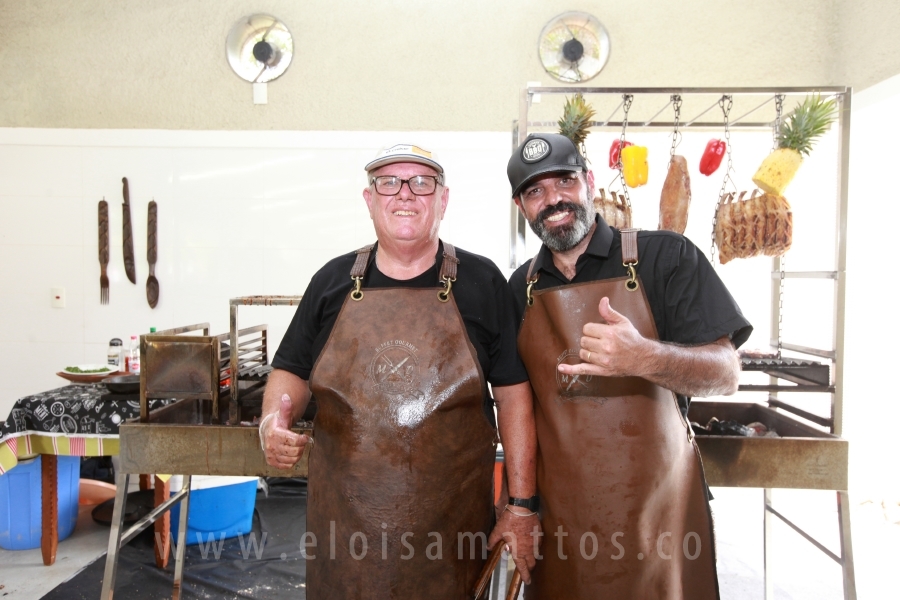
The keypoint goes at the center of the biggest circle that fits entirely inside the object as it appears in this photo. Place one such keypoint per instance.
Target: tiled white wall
(240, 213)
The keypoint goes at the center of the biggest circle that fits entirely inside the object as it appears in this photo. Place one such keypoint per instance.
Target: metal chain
(725, 103)
(779, 105)
(676, 135)
(626, 104)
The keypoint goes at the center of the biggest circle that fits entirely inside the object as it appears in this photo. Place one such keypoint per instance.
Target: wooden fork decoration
(103, 221)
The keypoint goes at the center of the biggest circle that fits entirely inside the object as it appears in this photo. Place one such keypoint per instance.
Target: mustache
(560, 207)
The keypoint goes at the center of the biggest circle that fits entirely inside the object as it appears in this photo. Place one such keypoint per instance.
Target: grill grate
(801, 372)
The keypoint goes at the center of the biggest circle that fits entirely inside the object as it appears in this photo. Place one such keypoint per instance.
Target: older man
(615, 325)
(397, 343)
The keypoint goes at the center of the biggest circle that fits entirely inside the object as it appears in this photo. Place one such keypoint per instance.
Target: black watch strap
(531, 504)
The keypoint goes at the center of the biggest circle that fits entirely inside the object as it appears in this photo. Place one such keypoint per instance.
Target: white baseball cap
(404, 153)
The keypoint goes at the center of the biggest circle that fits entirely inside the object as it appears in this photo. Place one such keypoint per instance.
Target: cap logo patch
(535, 150)
(406, 149)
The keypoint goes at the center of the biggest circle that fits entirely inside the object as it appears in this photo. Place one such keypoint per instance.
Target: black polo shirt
(689, 302)
(480, 291)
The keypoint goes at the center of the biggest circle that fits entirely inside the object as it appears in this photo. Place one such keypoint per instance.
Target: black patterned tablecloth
(74, 420)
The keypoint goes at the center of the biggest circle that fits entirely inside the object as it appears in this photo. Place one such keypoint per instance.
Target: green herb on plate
(78, 370)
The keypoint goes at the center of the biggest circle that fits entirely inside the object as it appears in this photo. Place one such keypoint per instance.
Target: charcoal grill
(209, 430)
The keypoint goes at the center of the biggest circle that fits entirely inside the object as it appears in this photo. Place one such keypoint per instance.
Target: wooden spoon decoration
(152, 283)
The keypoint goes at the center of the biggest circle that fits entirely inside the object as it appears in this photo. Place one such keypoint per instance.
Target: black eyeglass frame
(437, 179)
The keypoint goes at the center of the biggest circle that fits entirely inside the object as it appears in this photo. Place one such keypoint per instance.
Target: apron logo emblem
(570, 386)
(394, 369)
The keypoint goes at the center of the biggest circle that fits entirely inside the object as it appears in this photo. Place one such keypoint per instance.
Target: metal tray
(802, 458)
(180, 439)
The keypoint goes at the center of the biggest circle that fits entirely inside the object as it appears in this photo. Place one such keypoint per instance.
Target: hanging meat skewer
(675, 199)
(614, 210)
(760, 224)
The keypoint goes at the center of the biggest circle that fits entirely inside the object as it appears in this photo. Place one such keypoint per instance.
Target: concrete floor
(801, 571)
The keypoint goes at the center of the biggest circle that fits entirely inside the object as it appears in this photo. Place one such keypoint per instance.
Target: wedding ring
(589, 356)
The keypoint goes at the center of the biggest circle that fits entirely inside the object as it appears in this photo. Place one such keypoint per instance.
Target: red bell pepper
(712, 156)
(614, 151)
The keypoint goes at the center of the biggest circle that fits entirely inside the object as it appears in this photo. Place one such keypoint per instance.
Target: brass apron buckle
(632, 284)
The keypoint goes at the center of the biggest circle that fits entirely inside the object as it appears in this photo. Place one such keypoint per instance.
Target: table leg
(143, 482)
(161, 525)
(49, 511)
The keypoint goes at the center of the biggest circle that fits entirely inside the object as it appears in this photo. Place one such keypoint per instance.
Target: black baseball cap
(542, 153)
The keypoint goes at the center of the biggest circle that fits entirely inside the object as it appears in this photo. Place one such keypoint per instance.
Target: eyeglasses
(420, 185)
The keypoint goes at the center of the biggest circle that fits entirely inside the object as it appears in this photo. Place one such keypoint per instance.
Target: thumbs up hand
(282, 446)
(612, 347)
(283, 420)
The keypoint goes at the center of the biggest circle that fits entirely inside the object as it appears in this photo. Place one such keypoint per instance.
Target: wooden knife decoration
(152, 283)
(127, 240)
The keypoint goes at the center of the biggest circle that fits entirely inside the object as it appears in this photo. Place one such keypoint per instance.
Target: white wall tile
(28, 273)
(42, 220)
(40, 171)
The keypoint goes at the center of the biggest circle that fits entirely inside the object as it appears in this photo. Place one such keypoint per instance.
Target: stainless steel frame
(726, 455)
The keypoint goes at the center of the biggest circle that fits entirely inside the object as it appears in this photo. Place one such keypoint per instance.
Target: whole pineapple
(576, 121)
(795, 140)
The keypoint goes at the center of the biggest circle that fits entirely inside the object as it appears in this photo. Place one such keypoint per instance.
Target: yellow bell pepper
(634, 165)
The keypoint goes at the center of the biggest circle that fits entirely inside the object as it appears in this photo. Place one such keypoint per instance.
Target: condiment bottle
(134, 356)
(114, 354)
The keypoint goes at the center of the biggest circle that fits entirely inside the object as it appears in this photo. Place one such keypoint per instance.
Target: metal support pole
(843, 502)
(768, 559)
(181, 544)
(115, 537)
(234, 411)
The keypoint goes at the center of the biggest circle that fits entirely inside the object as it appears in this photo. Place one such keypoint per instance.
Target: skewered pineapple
(576, 121)
(795, 140)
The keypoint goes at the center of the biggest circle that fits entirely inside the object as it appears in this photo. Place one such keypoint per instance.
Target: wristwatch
(531, 504)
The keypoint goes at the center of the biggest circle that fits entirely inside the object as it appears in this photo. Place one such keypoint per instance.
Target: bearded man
(617, 330)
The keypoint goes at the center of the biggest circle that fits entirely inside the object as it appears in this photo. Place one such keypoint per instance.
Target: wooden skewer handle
(514, 586)
(485, 577)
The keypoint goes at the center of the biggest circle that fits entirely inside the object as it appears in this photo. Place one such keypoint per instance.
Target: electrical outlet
(58, 297)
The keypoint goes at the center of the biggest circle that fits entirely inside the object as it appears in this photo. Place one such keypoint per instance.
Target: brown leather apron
(623, 497)
(400, 476)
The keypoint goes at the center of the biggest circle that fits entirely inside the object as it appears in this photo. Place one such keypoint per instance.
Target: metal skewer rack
(810, 454)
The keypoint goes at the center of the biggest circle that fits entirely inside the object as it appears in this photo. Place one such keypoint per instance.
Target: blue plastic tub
(20, 502)
(220, 507)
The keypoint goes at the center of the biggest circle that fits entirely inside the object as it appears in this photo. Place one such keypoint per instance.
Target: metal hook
(631, 285)
(444, 294)
(528, 297)
(357, 293)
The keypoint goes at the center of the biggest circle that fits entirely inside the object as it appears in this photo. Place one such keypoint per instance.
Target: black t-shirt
(480, 291)
(689, 302)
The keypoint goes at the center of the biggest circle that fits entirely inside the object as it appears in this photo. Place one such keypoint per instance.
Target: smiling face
(405, 217)
(559, 208)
